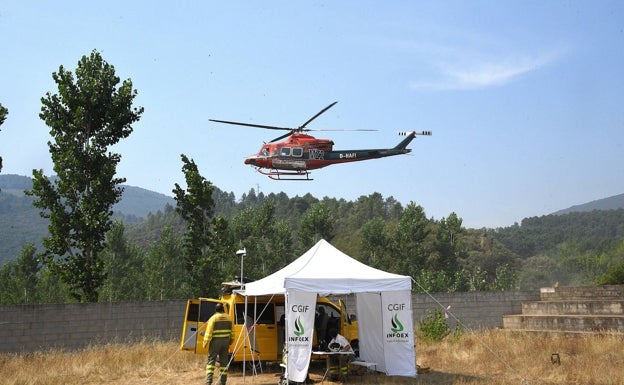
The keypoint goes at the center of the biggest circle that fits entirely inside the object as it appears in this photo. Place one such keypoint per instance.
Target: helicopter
(294, 157)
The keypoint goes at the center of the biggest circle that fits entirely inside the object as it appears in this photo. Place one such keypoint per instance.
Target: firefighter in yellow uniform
(219, 335)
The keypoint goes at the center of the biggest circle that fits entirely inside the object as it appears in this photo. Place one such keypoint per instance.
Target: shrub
(613, 276)
(434, 326)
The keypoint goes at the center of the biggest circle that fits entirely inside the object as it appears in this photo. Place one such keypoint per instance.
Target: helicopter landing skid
(274, 174)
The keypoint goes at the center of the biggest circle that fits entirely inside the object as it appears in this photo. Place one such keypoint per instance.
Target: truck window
(201, 312)
(193, 312)
(266, 313)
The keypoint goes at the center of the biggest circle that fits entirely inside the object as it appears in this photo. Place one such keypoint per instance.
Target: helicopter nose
(251, 161)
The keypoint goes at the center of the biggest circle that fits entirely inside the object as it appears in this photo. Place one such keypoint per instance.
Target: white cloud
(484, 72)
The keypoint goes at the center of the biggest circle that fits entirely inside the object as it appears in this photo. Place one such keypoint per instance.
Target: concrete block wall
(28, 328)
(582, 293)
(475, 310)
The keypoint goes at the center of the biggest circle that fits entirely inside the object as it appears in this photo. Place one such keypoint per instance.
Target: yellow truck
(263, 339)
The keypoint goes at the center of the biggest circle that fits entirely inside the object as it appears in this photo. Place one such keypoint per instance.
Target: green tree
(446, 245)
(19, 279)
(222, 249)
(369, 207)
(166, 276)
(613, 276)
(268, 240)
(8, 284)
(409, 240)
(428, 281)
(3, 114)
(196, 206)
(28, 273)
(88, 115)
(476, 279)
(123, 267)
(51, 289)
(317, 223)
(376, 245)
(506, 278)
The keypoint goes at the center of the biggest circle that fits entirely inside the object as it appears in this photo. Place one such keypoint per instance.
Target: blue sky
(525, 98)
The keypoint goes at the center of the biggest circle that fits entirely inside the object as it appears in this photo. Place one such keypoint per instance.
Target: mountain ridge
(135, 201)
(139, 202)
(609, 203)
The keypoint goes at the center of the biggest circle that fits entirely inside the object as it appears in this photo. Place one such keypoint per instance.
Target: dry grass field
(492, 357)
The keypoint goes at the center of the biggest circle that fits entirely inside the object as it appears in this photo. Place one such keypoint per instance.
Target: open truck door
(259, 328)
(255, 330)
(198, 311)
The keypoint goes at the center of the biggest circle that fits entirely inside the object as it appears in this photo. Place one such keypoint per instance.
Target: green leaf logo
(299, 329)
(397, 326)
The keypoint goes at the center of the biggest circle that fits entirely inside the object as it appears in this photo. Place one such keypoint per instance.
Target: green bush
(434, 326)
(613, 276)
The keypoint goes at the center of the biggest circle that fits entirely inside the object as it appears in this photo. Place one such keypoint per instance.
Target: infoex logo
(299, 330)
(397, 326)
(397, 331)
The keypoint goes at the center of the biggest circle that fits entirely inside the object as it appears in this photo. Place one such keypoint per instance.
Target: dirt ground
(270, 375)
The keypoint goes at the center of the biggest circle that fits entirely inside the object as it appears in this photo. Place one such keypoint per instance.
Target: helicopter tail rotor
(406, 133)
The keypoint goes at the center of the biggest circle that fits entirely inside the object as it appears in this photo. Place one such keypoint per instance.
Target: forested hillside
(538, 235)
(146, 259)
(21, 223)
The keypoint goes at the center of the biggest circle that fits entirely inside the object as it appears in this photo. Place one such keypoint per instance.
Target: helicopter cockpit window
(285, 151)
(297, 152)
(265, 151)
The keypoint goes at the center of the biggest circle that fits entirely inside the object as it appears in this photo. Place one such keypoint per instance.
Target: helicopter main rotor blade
(317, 115)
(252, 125)
(308, 130)
(291, 130)
(340, 129)
(281, 137)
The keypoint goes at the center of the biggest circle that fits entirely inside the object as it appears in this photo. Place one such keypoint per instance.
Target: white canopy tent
(385, 325)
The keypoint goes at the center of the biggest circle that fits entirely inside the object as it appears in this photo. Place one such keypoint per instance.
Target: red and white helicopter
(294, 157)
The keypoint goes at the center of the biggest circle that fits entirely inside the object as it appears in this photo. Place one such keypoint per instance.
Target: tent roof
(327, 270)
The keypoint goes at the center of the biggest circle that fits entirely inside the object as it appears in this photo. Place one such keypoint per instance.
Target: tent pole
(245, 337)
(286, 334)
